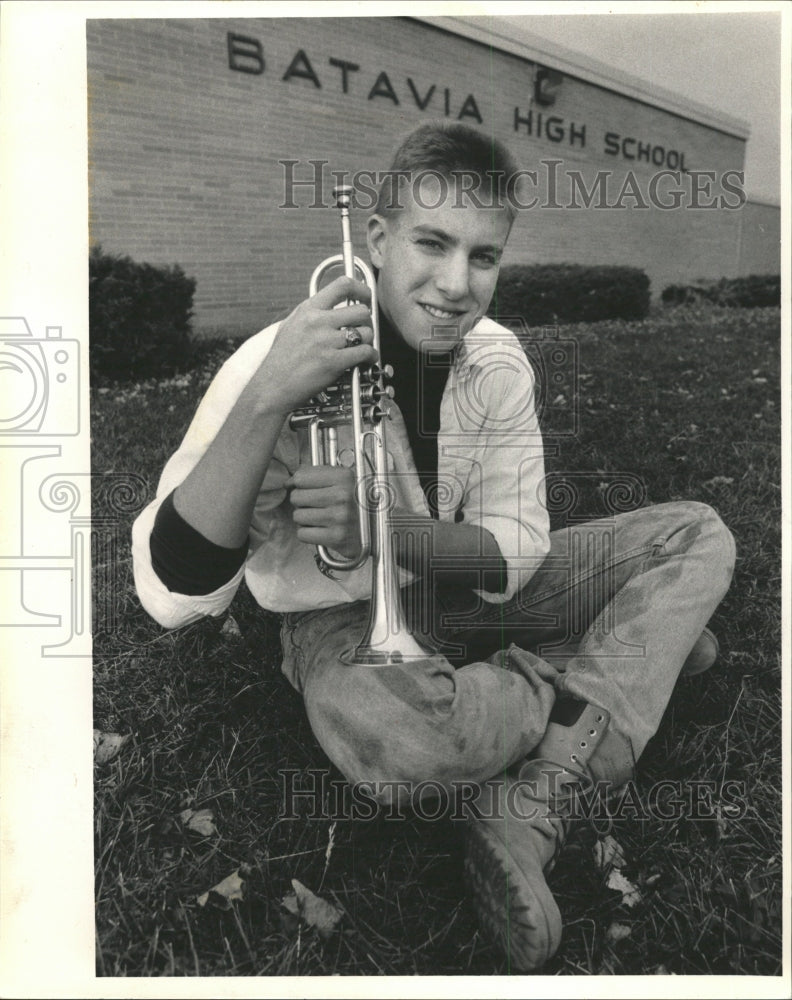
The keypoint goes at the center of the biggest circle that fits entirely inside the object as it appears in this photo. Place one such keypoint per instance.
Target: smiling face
(438, 265)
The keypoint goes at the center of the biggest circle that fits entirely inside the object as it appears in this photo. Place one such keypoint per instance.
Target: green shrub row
(570, 293)
(139, 317)
(749, 292)
(140, 314)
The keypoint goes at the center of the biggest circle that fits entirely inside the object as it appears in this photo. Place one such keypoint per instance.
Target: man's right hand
(309, 353)
(310, 350)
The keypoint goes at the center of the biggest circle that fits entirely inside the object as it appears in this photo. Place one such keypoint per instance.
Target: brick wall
(184, 151)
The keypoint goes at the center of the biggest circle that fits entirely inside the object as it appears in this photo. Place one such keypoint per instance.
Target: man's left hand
(325, 508)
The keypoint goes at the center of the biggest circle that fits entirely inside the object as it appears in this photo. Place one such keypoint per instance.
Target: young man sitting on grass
(566, 646)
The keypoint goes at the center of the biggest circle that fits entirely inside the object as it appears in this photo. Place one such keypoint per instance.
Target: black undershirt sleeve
(186, 561)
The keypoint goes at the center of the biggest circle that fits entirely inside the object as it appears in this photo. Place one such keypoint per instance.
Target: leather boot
(523, 822)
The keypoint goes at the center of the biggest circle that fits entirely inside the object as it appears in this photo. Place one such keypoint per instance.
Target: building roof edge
(538, 50)
(766, 200)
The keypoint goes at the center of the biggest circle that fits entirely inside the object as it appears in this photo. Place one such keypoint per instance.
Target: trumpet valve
(375, 413)
(373, 393)
(376, 372)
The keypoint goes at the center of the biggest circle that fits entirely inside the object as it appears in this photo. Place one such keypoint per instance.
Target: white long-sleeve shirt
(490, 466)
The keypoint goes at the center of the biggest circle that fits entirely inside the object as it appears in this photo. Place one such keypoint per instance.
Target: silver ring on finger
(352, 337)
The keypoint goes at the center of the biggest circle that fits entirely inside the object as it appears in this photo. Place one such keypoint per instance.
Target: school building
(215, 143)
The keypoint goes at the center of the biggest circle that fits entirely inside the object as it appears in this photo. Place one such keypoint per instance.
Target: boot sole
(516, 909)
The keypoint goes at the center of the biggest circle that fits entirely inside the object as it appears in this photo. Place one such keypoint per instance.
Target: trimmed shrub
(570, 293)
(139, 317)
(750, 292)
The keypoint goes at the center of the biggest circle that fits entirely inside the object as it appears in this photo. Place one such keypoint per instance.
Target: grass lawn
(687, 402)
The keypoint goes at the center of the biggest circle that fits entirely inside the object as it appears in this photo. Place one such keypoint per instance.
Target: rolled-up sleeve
(171, 609)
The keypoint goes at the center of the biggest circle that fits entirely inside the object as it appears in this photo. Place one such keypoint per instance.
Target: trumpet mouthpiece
(343, 195)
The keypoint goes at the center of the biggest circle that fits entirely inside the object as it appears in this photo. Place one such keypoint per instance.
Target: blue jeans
(609, 618)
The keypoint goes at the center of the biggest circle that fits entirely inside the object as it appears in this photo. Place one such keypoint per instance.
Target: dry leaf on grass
(608, 853)
(618, 932)
(724, 817)
(718, 481)
(315, 911)
(630, 894)
(231, 629)
(199, 821)
(107, 746)
(225, 892)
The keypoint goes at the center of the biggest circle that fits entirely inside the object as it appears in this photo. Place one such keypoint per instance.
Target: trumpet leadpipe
(360, 399)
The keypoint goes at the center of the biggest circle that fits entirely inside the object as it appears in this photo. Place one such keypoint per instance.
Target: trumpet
(360, 400)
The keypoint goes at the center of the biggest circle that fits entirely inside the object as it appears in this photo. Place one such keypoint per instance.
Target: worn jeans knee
(399, 726)
(701, 532)
(630, 658)
(425, 721)
(720, 541)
